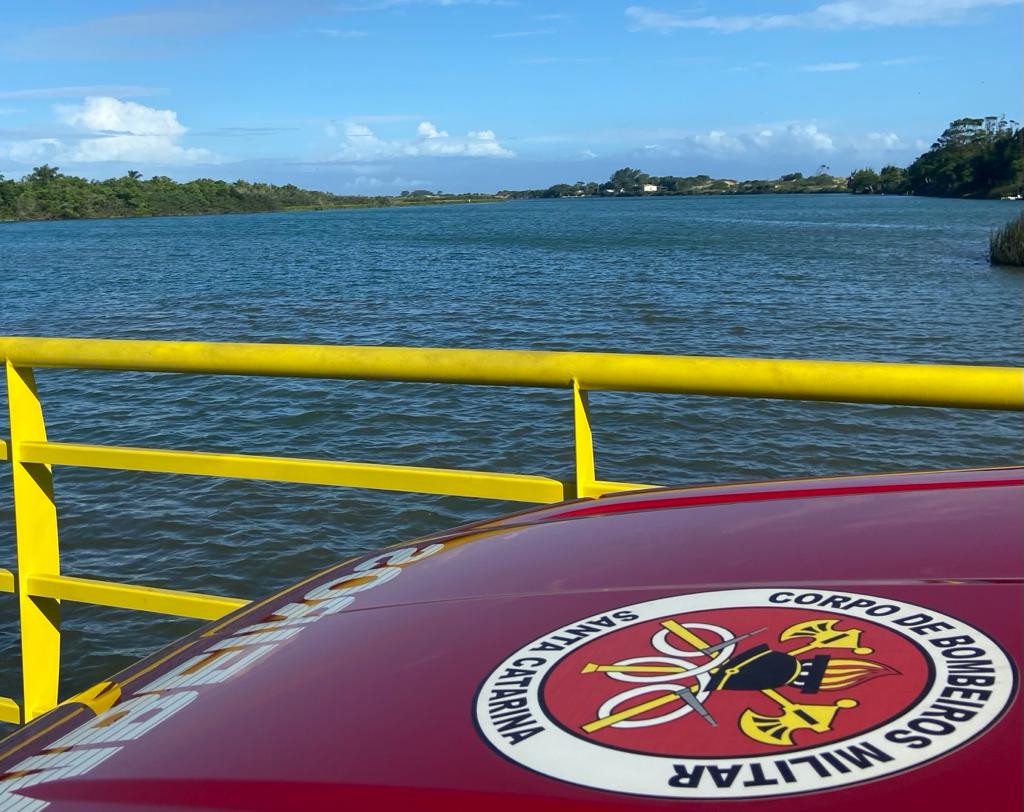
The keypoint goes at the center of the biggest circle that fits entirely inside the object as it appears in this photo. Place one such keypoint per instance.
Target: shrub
(1006, 245)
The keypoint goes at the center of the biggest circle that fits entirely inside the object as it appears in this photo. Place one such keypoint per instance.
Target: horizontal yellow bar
(130, 596)
(6, 581)
(481, 484)
(10, 711)
(975, 387)
(603, 487)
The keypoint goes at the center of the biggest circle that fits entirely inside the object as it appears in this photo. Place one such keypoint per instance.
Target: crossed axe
(768, 729)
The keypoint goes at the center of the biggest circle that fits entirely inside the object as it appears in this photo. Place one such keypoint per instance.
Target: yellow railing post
(35, 521)
(586, 473)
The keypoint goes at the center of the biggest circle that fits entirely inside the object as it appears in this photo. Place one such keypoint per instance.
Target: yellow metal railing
(41, 587)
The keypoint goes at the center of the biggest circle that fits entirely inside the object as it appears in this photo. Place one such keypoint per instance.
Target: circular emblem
(744, 693)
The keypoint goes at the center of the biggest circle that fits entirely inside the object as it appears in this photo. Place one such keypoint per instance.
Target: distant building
(650, 187)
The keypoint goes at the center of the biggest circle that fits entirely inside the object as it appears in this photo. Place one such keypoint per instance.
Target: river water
(873, 278)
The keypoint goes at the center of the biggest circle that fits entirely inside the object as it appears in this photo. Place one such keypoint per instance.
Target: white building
(650, 187)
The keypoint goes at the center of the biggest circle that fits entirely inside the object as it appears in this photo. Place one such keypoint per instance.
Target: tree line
(974, 157)
(629, 181)
(48, 194)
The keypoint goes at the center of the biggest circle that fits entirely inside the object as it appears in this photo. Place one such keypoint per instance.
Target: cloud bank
(360, 143)
(107, 129)
(793, 139)
(838, 15)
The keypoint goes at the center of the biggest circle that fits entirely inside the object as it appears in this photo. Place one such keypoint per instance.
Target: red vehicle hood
(396, 679)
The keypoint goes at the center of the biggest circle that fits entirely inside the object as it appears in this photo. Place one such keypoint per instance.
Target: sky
(377, 96)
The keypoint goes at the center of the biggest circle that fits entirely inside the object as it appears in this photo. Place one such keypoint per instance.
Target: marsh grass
(1006, 244)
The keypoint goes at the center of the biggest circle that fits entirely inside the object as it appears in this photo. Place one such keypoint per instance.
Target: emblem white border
(564, 756)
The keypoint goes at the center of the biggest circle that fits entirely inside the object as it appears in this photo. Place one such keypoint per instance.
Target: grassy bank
(1006, 245)
(47, 194)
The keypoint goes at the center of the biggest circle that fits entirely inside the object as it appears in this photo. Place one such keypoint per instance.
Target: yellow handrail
(966, 387)
(41, 586)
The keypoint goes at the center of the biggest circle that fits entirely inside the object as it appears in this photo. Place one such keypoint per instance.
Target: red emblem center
(736, 682)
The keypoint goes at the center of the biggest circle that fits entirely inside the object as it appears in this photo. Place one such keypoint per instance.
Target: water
(888, 279)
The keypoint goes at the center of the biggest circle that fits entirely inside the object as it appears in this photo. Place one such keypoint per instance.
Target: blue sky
(375, 96)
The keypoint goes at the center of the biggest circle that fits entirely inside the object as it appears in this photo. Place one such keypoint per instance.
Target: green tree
(974, 157)
(892, 180)
(863, 181)
(560, 190)
(43, 175)
(46, 194)
(628, 180)
(8, 196)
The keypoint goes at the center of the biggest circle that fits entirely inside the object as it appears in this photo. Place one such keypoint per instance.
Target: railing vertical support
(35, 520)
(586, 475)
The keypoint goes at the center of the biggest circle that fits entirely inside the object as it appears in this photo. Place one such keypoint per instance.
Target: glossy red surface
(374, 704)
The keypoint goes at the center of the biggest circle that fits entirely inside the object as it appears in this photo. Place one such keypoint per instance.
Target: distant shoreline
(973, 158)
(399, 203)
(950, 169)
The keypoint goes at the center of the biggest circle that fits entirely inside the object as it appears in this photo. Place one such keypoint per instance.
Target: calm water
(894, 279)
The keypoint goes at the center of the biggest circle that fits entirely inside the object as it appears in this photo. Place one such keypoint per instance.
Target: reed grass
(1006, 244)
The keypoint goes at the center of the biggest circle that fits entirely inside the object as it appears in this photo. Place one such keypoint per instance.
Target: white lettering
(209, 668)
(48, 767)
(407, 555)
(129, 720)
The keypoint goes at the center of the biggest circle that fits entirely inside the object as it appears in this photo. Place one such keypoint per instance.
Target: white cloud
(113, 130)
(831, 67)
(77, 91)
(360, 143)
(587, 153)
(788, 140)
(811, 136)
(885, 141)
(515, 34)
(109, 115)
(32, 151)
(427, 130)
(337, 33)
(842, 14)
(750, 145)
(395, 118)
(795, 137)
(135, 148)
(718, 142)
(564, 60)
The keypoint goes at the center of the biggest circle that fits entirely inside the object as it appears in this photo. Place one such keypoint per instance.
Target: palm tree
(44, 174)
